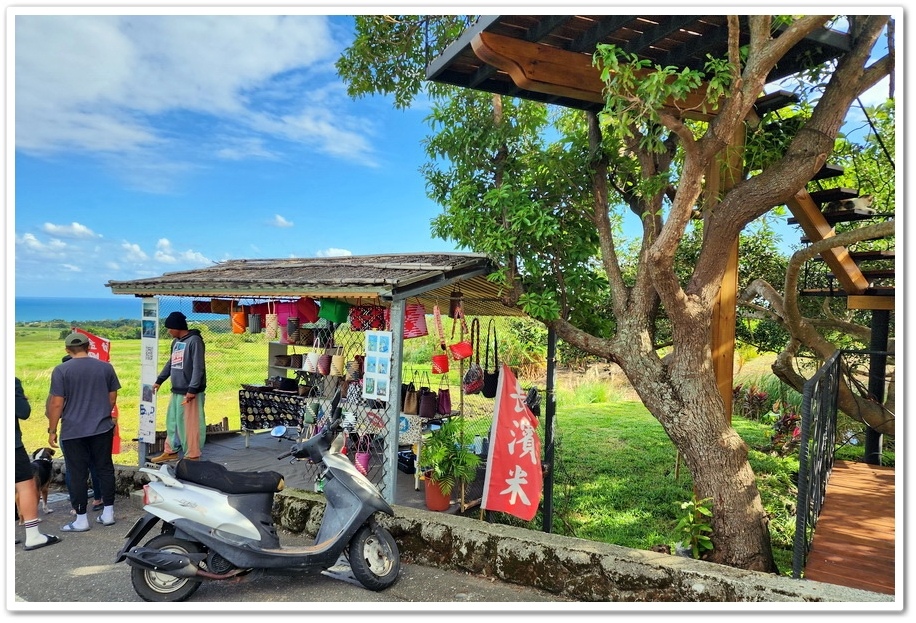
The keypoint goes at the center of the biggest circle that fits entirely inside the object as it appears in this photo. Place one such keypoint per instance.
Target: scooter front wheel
(374, 557)
(162, 587)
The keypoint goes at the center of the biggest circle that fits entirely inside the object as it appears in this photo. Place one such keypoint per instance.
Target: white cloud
(150, 84)
(333, 252)
(73, 230)
(29, 242)
(166, 254)
(279, 221)
(133, 252)
(71, 268)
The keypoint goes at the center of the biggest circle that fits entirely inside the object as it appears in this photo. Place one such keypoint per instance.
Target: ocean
(37, 309)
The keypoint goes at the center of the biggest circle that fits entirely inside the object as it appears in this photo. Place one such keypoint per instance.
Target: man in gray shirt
(83, 393)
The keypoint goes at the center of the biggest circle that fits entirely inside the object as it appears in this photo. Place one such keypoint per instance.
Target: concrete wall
(569, 567)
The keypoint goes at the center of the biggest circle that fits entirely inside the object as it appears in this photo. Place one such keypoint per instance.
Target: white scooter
(217, 524)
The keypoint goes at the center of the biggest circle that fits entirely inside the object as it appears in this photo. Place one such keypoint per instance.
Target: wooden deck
(854, 538)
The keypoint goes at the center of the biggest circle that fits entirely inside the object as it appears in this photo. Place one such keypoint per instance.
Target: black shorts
(23, 465)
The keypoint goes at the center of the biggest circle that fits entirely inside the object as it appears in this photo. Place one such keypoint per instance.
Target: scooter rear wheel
(162, 587)
(374, 557)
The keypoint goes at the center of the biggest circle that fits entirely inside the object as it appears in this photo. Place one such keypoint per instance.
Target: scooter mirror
(278, 431)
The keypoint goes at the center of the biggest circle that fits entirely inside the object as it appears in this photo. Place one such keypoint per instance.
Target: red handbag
(462, 348)
(440, 361)
(367, 318)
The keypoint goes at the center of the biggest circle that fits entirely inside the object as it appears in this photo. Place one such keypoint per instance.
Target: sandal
(51, 540)
(71, 528)
(98, 506)
(103, 522)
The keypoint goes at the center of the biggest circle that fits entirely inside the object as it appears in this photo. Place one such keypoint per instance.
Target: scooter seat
(216, 476)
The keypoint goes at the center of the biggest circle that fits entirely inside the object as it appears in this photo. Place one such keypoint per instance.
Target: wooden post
(724, 173)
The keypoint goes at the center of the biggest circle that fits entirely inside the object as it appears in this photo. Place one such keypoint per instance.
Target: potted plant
(446, 459)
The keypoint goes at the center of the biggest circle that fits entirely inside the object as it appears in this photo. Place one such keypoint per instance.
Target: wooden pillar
(723, 174)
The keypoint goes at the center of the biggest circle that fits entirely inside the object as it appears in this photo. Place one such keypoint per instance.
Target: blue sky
(149, 144)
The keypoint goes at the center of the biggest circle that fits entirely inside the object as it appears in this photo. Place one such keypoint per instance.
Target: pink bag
(362, 455)
(462, 348)
(415, 320)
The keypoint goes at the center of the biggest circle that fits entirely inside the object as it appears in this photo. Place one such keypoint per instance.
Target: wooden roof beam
(550, 70)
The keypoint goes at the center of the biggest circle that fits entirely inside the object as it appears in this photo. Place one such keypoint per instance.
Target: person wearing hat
(185, 422)
(84, 391)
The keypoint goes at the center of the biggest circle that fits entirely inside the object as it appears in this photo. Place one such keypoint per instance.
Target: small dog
(41, 468)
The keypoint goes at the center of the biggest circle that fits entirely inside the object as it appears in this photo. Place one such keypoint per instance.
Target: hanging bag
(367, 318)
(490, 379)
(462, 348)
(310, 360)
(428, 401)
(292, 330)
(444, 398)
(440, 360)
(473, 378)
(415, 320)
(271, 323)
(334, 310)
(411, 400)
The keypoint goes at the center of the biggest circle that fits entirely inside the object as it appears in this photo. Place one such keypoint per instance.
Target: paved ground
(81, 569)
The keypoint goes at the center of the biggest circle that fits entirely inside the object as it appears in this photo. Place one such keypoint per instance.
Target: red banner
(514, 479)
(99, 347)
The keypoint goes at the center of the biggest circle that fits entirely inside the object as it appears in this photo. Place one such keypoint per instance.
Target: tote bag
(472, 382)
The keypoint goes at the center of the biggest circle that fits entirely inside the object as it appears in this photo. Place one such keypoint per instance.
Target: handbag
(337, 362)
(271, 322)
(462, 348)
(411, 400)
(415, 320)
(362, 454)
(367, 318)
(311, 358)
(444, 398)
(292, 330)
(440, 360)
(490, 379)
(473, 378)
(429, 404)
(334, 310)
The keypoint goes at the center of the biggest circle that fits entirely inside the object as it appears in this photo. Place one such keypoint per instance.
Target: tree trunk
(683, 397)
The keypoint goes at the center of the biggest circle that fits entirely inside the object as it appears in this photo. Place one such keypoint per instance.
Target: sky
(148, 144)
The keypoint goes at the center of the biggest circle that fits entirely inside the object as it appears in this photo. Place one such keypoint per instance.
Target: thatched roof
(429, 277)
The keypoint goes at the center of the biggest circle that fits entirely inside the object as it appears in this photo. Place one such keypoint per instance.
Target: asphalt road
(81, 572)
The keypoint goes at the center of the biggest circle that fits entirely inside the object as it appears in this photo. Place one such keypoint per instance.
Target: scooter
(217, 524)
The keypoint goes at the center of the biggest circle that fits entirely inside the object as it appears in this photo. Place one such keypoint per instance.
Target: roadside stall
(340, 324)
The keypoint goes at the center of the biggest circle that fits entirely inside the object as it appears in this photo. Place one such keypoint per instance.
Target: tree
(548, 213)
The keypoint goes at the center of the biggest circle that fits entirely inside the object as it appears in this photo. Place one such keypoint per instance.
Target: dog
(41, 469)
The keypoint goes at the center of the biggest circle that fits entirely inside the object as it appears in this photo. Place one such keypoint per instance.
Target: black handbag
(472, 382)
(490, 379)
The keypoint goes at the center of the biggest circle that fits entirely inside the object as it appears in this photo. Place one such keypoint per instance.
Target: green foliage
(694, 527)
(446, 457)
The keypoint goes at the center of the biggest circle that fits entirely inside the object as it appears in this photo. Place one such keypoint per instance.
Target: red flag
(99, 347)
(514, 480)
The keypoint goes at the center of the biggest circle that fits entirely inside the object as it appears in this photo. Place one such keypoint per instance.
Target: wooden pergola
(548, 58)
